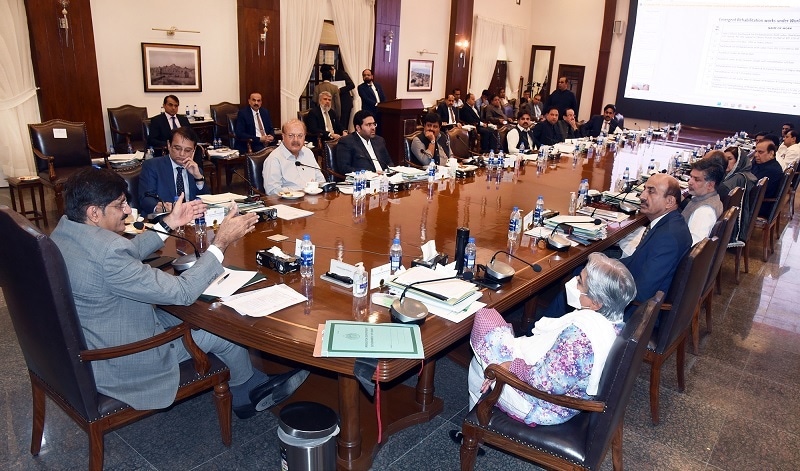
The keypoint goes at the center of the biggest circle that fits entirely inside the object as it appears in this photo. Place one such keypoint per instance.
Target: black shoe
(244, 412)
(458, 437)
(277, 389)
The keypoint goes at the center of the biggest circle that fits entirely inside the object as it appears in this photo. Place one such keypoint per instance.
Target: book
(350, 339)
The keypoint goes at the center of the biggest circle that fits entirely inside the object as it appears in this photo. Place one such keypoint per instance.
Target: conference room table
(422, 213)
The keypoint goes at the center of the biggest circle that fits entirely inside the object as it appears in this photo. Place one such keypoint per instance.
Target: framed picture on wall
(171, 68)
(420, 75)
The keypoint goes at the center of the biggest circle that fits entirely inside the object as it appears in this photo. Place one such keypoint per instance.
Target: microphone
(558, 242)
(410, 311)
(327, 186)
(253, 189)
(297, 163)
(156, 216)
(501, 271)
(185, 261)
(624, 206)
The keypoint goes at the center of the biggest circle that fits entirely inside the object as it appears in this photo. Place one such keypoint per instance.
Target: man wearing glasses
(292, 165)
(362, 150)
(170, 176)
(562, 98)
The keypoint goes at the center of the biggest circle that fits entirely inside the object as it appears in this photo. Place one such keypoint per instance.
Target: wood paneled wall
(66, 73)
(603, 55)
(260, 73)
(384, 69)
(460, 28)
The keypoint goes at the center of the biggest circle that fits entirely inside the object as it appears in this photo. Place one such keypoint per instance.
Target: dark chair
(219, 114)
(677, 312)
(157, 151)
(408, 157)
(328, 166)
(131, 175)
(459, 143)
(254, 164)
(582, 441)
(771, 225)
(722, 230)
(793, 190)
(742, 246)
(232, 134)
(126, 128)
(57, 159)
(733, 198)
(409, 126)
(37, 290)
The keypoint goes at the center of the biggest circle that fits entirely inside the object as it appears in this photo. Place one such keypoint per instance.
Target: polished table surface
(425, 212)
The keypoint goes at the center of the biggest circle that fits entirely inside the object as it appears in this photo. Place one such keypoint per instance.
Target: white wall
(120, 26)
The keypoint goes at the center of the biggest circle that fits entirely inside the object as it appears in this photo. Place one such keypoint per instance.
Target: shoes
(271, 392)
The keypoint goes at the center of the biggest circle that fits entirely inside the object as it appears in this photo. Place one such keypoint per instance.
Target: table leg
(425, 386)
(13, 190)
(349, 440)
(21, 203)
(35, 206)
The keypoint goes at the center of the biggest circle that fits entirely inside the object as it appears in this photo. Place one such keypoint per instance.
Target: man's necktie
(452, 116)
(646, 230)
(179, 188)
(375, 91)
(260, 125)
(328, 126)
(174, 123)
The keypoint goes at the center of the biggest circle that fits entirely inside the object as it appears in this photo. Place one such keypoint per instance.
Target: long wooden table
(426, 212)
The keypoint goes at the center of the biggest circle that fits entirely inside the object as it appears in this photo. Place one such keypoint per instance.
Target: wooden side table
(16, 185)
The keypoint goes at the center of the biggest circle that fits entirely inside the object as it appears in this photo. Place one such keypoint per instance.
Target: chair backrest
(409, 126)
(722, 230)
(255, 166)
(619, 376)
(407, 155)
(219, 114)
(733, 198)
(131, 176)
(459, 142)
(146, 129)
(783, 194)
(70, 152)
(685, 291)
(38, 293)
(756, 198)
(127, 119)
(329, 161)
(232, 129)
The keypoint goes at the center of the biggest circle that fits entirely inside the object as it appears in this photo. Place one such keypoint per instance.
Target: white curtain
(301, 28)
(486, 39)
(354, 21)
(514, 39)
(18, 103)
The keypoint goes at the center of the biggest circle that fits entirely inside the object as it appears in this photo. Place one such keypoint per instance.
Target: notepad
(349, 339)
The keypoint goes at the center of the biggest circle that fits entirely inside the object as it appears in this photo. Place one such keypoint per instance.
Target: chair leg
(222, 401)
(616, 447)
(96, 447)
(746, 254)
(718, 281)
(681, 361)
(709, 302)
(38, 418)
(469, 446)
(765, 242)
(695, 327)
(737, 263)
(655, 381)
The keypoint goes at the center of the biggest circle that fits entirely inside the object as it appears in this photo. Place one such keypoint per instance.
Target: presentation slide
(731, 54)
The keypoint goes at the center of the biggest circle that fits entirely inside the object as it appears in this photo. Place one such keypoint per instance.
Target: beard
(325, 108)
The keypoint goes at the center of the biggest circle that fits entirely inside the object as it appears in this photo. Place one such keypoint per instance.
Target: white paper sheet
(265, 301)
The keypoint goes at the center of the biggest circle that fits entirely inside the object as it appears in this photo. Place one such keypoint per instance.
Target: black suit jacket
(315, 123)
(368, 101)
(546, 134)
(592, 127)
(469, 116)
(345, 98)
(246, 129)
(161, 130)
(444, 114)
(352, 155)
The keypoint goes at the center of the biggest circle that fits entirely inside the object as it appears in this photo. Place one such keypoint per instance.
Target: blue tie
(179, 183)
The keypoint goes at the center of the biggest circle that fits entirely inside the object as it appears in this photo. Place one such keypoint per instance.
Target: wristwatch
(165, 226)
(201, 179)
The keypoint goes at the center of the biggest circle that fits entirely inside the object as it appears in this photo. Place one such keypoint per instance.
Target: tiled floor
(739, 410)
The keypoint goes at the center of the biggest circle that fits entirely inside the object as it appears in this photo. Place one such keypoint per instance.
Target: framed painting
(420, 75)
(171, 68)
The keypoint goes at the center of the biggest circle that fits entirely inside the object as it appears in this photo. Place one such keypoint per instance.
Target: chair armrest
(666, 307)
(334, 173)
(135, 347)
(127, 135)
(50, 160)
(504, 377)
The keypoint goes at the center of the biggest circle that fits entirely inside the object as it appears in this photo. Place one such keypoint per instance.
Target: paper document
(221, 198)
(265, 301)
(364, 340)
(287, 213)
(448, 291)
(230, 282)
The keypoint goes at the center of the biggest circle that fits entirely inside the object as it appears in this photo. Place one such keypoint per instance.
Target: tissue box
(282, 265)
(441, 259)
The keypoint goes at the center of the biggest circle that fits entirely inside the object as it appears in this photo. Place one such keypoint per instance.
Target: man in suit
(116, 296)
(431, 144)
(562, 98)
(162, 125)
(519, 139)
(569, 126)
(253, 123)
(470, 114)
(323, 121)
(362, 150)
(448, 113)
(327, 86)
(170, 176)
(371, 94)
(547, 132)
(607, 123)
(345, 95)
(766, 165)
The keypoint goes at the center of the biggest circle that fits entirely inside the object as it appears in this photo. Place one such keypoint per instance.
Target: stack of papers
(582, 226)
(604, 214)
(453, 300)
(223, 153)
(411, 173)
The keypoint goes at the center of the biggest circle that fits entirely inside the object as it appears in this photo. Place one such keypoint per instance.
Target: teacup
(133, 217)
(312, 187)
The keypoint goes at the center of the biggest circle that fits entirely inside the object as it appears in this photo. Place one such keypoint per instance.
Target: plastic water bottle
(583, 190)
(200, 224)
(500, 160)
(383, 186)
(187, 111)
(360, 283)
(432, 170)
(395, 256)
(490, 162)
(470, 252)
(514, 224)
(651, 167)
(573, 203)
(537, 213)
(130, 148)
(195, 111)
(626, 175)
(307, 257)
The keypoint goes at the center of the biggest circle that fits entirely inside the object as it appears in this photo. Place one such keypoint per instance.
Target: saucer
(291, 195)
(315, 191)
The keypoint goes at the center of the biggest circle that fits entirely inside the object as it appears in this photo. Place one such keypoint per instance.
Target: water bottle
(490, 162)
(573, 203)
(514, 224)
(187, 111)
(539, 211)
(195, 111)
(500, 160)
(307, 258)
(200, 224)
(432, 170)
(583, 190)
(651, 167)
(395, 256)
(130, 148)
(470, 251)
(360, 283)
(384, 184)
(626, 175)
(149, 154)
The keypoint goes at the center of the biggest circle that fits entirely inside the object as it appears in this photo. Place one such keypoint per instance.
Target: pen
(223, 278)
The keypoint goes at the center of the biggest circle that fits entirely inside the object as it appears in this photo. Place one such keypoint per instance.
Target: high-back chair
(126, 127)
(408, 157)
(254, 164)
(459, 143)
(219, 114)
(328, 166)
(771, 225)
(793, 189)
(232, 134)
(676, 315)
(741, 247)
(57, 158)
(582, 441)
(37, 289)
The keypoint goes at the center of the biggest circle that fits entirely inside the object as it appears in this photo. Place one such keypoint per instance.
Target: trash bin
(307, 431)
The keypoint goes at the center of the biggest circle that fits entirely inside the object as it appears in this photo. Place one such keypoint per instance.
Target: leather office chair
(677, 312)
(126, 127)
(37, 290)
(157, 151)
(408, 157)
(722, 230)
(329, 168)
(131, 175)
(232, 134)
(771, 225)
(219, 114)
(582, 441)
(733, 198)
(459, 143)
(741, 247)
(254, 164)
(57, 159)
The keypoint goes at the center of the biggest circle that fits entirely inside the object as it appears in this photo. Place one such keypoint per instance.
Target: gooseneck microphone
(297, 163)
(156, 215)
(253, 188)
(185, 261)
(410, 311)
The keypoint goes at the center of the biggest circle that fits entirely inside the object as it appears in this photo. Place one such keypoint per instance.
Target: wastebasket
(307, 431)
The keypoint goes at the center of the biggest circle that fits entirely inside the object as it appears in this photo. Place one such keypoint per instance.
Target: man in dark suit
(362, 150)
(448, 113)
(547, 132)
(562, 98)
(161, 125)
(607, 123)
(322, 120)
(253, 123)
(470, 114)
(169, 176)
(345, 95)
(371, 94)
